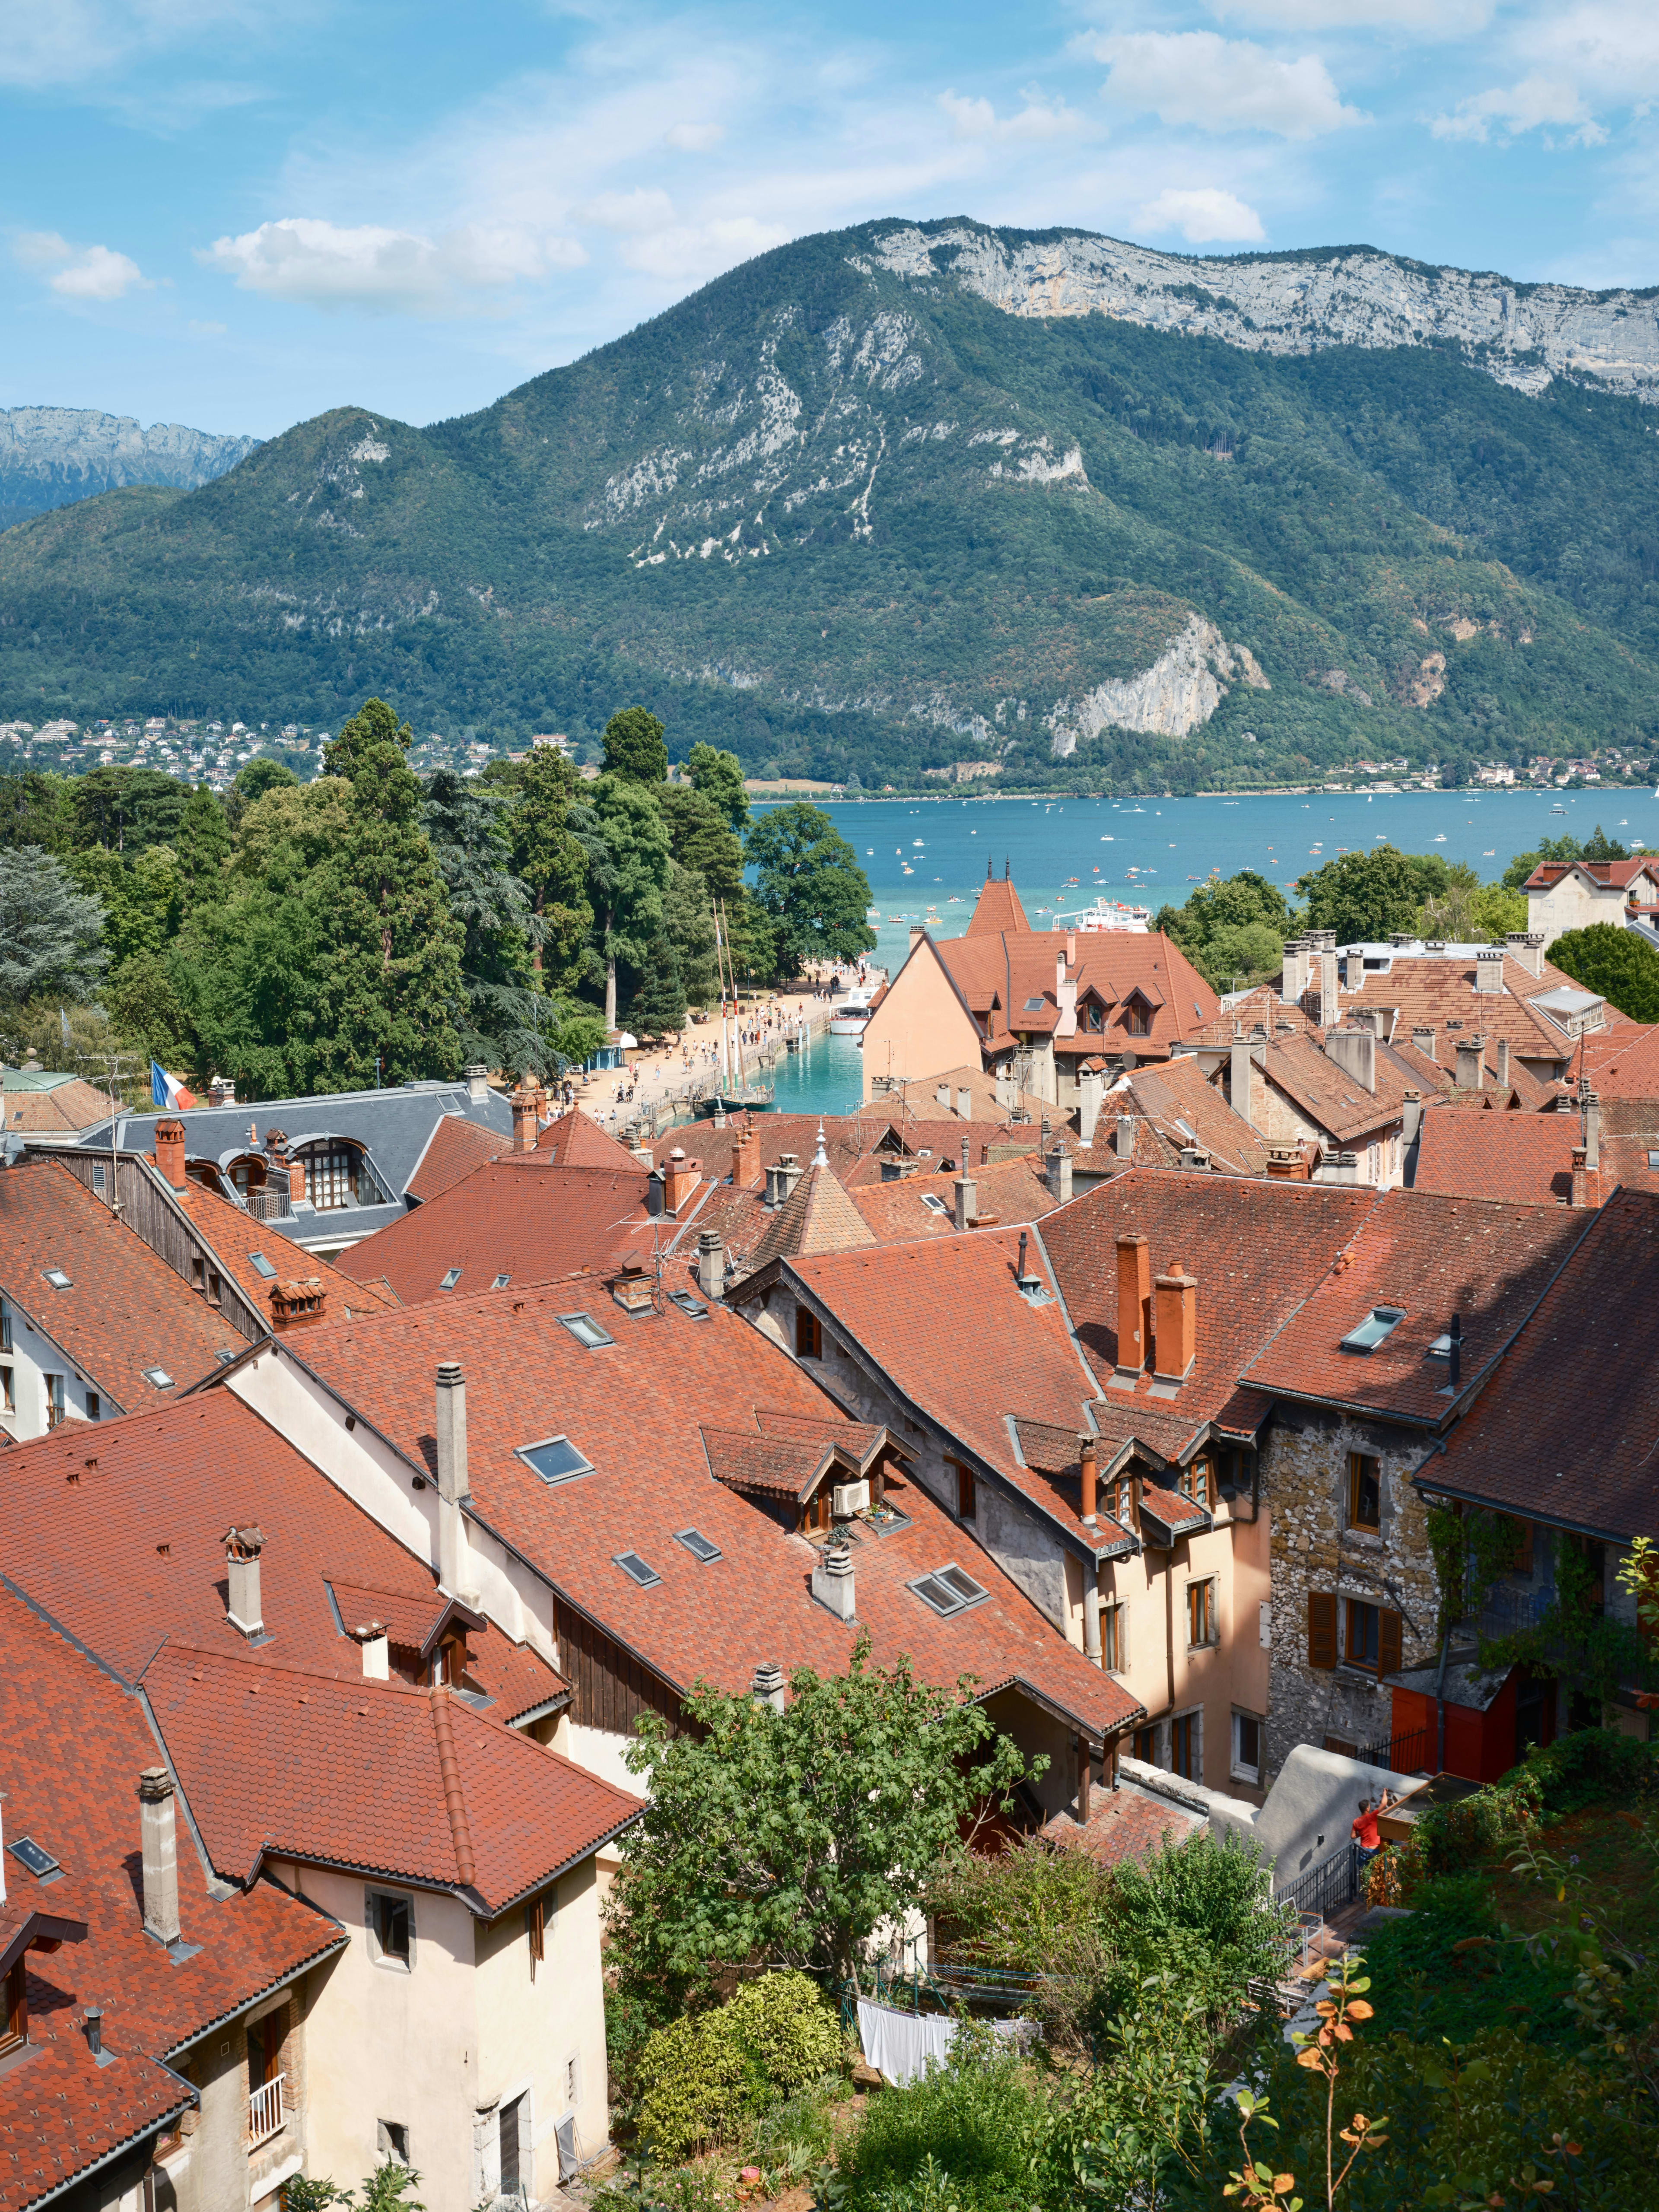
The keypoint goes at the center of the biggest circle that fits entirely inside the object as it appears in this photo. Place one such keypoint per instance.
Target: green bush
(1591, 1766)
(970, 2133)
(703, 2076)
(1424, 1984)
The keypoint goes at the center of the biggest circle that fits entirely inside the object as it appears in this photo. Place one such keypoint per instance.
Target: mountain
(51, 455)
(892, 496)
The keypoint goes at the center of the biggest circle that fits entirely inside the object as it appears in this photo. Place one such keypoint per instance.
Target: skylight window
(635, 1569)
(687, 1305)
(950, 1591)
(585, 1330)
(556, 1459)
(38, 1861)
(1034, 1005)
(450, 1279)
(1377, 1327)
(697, 1544)
(57, 1279)
(159, 1377)
(500, 1282)
(261, 1265)
(934, 1204)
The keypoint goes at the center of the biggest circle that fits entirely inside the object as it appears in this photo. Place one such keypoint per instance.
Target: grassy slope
(1340, 512)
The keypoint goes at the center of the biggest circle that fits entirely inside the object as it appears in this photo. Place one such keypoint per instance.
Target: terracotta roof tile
(817, 1216)
(456, 1147)
(1127, 1823)
(575, 1139)
(234, 1236)
(45, 1107)
(893, 1212)
(998, 909)
(998, 975)
(1525, 1158)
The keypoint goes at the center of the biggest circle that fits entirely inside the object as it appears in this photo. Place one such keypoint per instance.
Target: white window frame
(1238, 1769)
(372, 1892)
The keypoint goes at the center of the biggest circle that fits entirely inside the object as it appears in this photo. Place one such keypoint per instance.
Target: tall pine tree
(552, 864)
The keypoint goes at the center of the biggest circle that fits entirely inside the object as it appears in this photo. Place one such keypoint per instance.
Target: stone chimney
(1592, 1112)
(1294, 981)
(159, 1847)
(1176, 1298)
(781, 1177)
(768, 1686)
(967, 1197)
(1089, 1495)
(680, 1178)
(1526, 945)
(1581, 1196)
(1503, 1063)
(170, 1151)
(832, 1579)
(1134, 1282)
(1194, 1159)
(242, 1550)
(1058, 1175)
(1284, 1160)
(1091, 1089)
(964, 1103)
(477, 1081)
(527, 1105)
(372, 1640)
(1238, 1078)
(1126, 1136)
(1472, 1063)
(453, 1485)
(711, 1264)
(1412, 1118)
(942, 1096)
(745, 1157)
(1425, 1041)
(1354, 1052)
(1489, 969)
(300, 1303)
(1330, 1012)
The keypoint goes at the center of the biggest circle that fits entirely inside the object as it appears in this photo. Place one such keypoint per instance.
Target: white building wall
(33, 1357)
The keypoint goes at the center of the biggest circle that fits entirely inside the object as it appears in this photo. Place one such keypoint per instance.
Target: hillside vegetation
(850, 521)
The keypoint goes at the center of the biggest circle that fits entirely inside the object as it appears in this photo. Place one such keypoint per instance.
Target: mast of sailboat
(719, 977)
(731, 970)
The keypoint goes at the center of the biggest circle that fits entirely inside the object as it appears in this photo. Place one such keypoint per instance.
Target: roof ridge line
(449, 1770)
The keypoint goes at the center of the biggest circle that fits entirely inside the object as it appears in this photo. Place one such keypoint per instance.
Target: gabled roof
(817, 1216)
(997, 910)
(456, 1147)
(1523, 1158)
(1001, 976)
(519, 1216)
(1185, 1107)
(35, 1102)
(1334, 1100)
(124, 1311)
(1428, 1258)
(575, 1139)
(1568, 1428)
(411, 1785)
(234, 1236)
(1609, 875)
(1436, 991)
(895, 1211)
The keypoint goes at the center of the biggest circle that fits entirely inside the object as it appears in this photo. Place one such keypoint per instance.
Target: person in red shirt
(1364, 1830)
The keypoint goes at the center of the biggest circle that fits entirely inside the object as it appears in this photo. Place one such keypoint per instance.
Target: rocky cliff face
(1181, 689)
(1521, 334)
(51, 455)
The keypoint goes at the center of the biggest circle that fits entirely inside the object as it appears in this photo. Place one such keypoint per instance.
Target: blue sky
(230, 214)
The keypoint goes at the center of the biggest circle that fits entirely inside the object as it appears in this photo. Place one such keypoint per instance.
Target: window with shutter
(1321, 1628)
(1389, 1625)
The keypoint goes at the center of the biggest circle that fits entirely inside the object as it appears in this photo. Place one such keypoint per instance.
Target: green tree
(50, 932)
(251, 783)
(551, 862)
(124, 809)
(1231, 930)
(396, 971)
(469, 843)
(792, 1836)
(248, 984)
(658, 1006)
(203, 846)
(1549, 848)
(809, 887)
(1370, 894)
(1497, 911)
(624, 834)
(35, 810)
(689, 926)
(140, 893)
(719, 777)
(635, 747)
(1598, 846)
(1613, 963)
(700, 837)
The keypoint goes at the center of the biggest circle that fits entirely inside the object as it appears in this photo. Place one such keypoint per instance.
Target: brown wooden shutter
(1322, 1630)
(1387, 1641)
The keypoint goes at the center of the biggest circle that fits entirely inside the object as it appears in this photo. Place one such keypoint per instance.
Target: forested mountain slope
(880, 499)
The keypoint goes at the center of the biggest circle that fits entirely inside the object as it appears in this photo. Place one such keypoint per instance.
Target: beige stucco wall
(920, 1029)
(1574, 903)
(1276, 1119)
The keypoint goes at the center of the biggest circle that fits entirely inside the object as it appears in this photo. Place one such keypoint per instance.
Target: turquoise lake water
(1153, 852)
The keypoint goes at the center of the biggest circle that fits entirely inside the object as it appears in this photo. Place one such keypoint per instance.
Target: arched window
(336, 1176)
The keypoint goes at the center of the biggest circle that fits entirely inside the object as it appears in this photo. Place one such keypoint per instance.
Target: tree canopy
(719, 777)
(1615, 963)
(635, 746)
(50, 932)
(1233, 930)
(809, 886)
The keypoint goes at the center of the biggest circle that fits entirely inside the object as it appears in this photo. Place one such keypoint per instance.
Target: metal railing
(267, 2112)
(269, 1204)
(1327, 1887)
(1400, 1754)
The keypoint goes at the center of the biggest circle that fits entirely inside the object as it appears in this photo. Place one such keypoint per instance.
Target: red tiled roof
(456, 1146)
(1177, 1092)
(404, 1782)
(125, 1311)
(233, 1237)
(1438, 993)
(636, 1408)
(116, 1532)
(1278, 1017)
(998, 909)
(1525, 1158)
(1567, 1430)
(894, 1212)
(519, 1216)
(59, 1110)
(1331, 1098)
(75, 1746)
(1623, 1063)
(1615, 874)
(817, 1216)
(1434, 1257)
(575, 1139)
(998, 975)
(1125, 1824)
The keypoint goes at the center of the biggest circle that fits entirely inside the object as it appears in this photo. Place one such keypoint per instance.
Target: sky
(233, 215)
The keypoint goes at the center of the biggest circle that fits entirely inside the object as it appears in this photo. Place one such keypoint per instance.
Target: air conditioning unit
(847, 1499)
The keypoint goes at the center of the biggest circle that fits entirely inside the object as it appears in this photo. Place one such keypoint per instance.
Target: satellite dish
(654, 1198)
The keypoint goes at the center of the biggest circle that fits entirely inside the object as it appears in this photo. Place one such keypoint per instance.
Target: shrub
(1591, 1766)
(786, 2029)
(1444, 1971)
(701, 2077)
(970, 2133)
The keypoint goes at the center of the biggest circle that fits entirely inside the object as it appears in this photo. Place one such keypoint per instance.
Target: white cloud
(85, 272)
(1421, 19)
(1038, 119)
(695, 137)
(1202, 213)
(366, 266)
(1205, 82)
(1536, 102)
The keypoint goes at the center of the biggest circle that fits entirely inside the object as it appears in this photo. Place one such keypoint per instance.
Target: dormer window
(1137, 1016)
(1093, 1016)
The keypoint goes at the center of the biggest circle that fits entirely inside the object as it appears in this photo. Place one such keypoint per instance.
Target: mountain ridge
(846, 512)
(52, 456)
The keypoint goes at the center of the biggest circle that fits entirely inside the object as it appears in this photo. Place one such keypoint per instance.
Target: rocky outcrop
(1296, 303)
(51, 455)
(1181, 689)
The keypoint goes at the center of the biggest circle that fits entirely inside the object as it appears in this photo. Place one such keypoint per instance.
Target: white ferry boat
(851, 1013)
(1110, 915)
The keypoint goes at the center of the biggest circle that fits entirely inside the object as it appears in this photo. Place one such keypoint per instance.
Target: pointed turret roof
(998, 911)
(817, 1216)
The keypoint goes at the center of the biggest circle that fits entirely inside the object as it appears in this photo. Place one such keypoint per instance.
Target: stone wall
(1304, 1474)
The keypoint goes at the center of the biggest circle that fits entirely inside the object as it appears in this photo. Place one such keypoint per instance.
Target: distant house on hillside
(1576, 894)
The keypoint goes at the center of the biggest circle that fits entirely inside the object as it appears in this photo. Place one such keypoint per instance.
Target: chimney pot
(159, 1854)
(1059, 1178)
(1134, 1283)
(1592, 1114)
(221, 1092)
(170, 1151)
(1126, 1136)
(1503, 1063)
(526, 1103)
(1424, 1040)
(964, 1103)
(242, 1550)
(745, 1157)
(680, 1178)
(453, 1484)
(1527, 947)
(1177, 1325)
(1238, 1077)
(300, 1303)
(967, 1198)
(711, 1264)
(371, 1638)
(1489, 969)
(1581, 1196)
(768, 1686)
(1354, 1051)
(478, 1080)
(92, 2023)
(1472, 1063)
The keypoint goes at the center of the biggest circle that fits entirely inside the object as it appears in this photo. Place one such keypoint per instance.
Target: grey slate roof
(394, 1128)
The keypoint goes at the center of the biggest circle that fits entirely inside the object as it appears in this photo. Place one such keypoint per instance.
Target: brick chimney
(300, 1303)
(1134, 1277)
(159, 1848)
(1581, 1196)
(1472, 1063)
(1089, 1495)
(1354, 1051)
(221, 1092)
(745, 1157)
(832, 1579)
(170, 1151)
(711, 1264)
(1285, 1162)
(242, 1550)
(371, 1639)
(1489, 970)
(526, 1103)
(680, 1178)
(1177, 1296)
(967, 1197)
(1592, 1112)
(1058, 1175)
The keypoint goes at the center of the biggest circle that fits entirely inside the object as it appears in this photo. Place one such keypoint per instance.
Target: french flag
(166, 1091)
